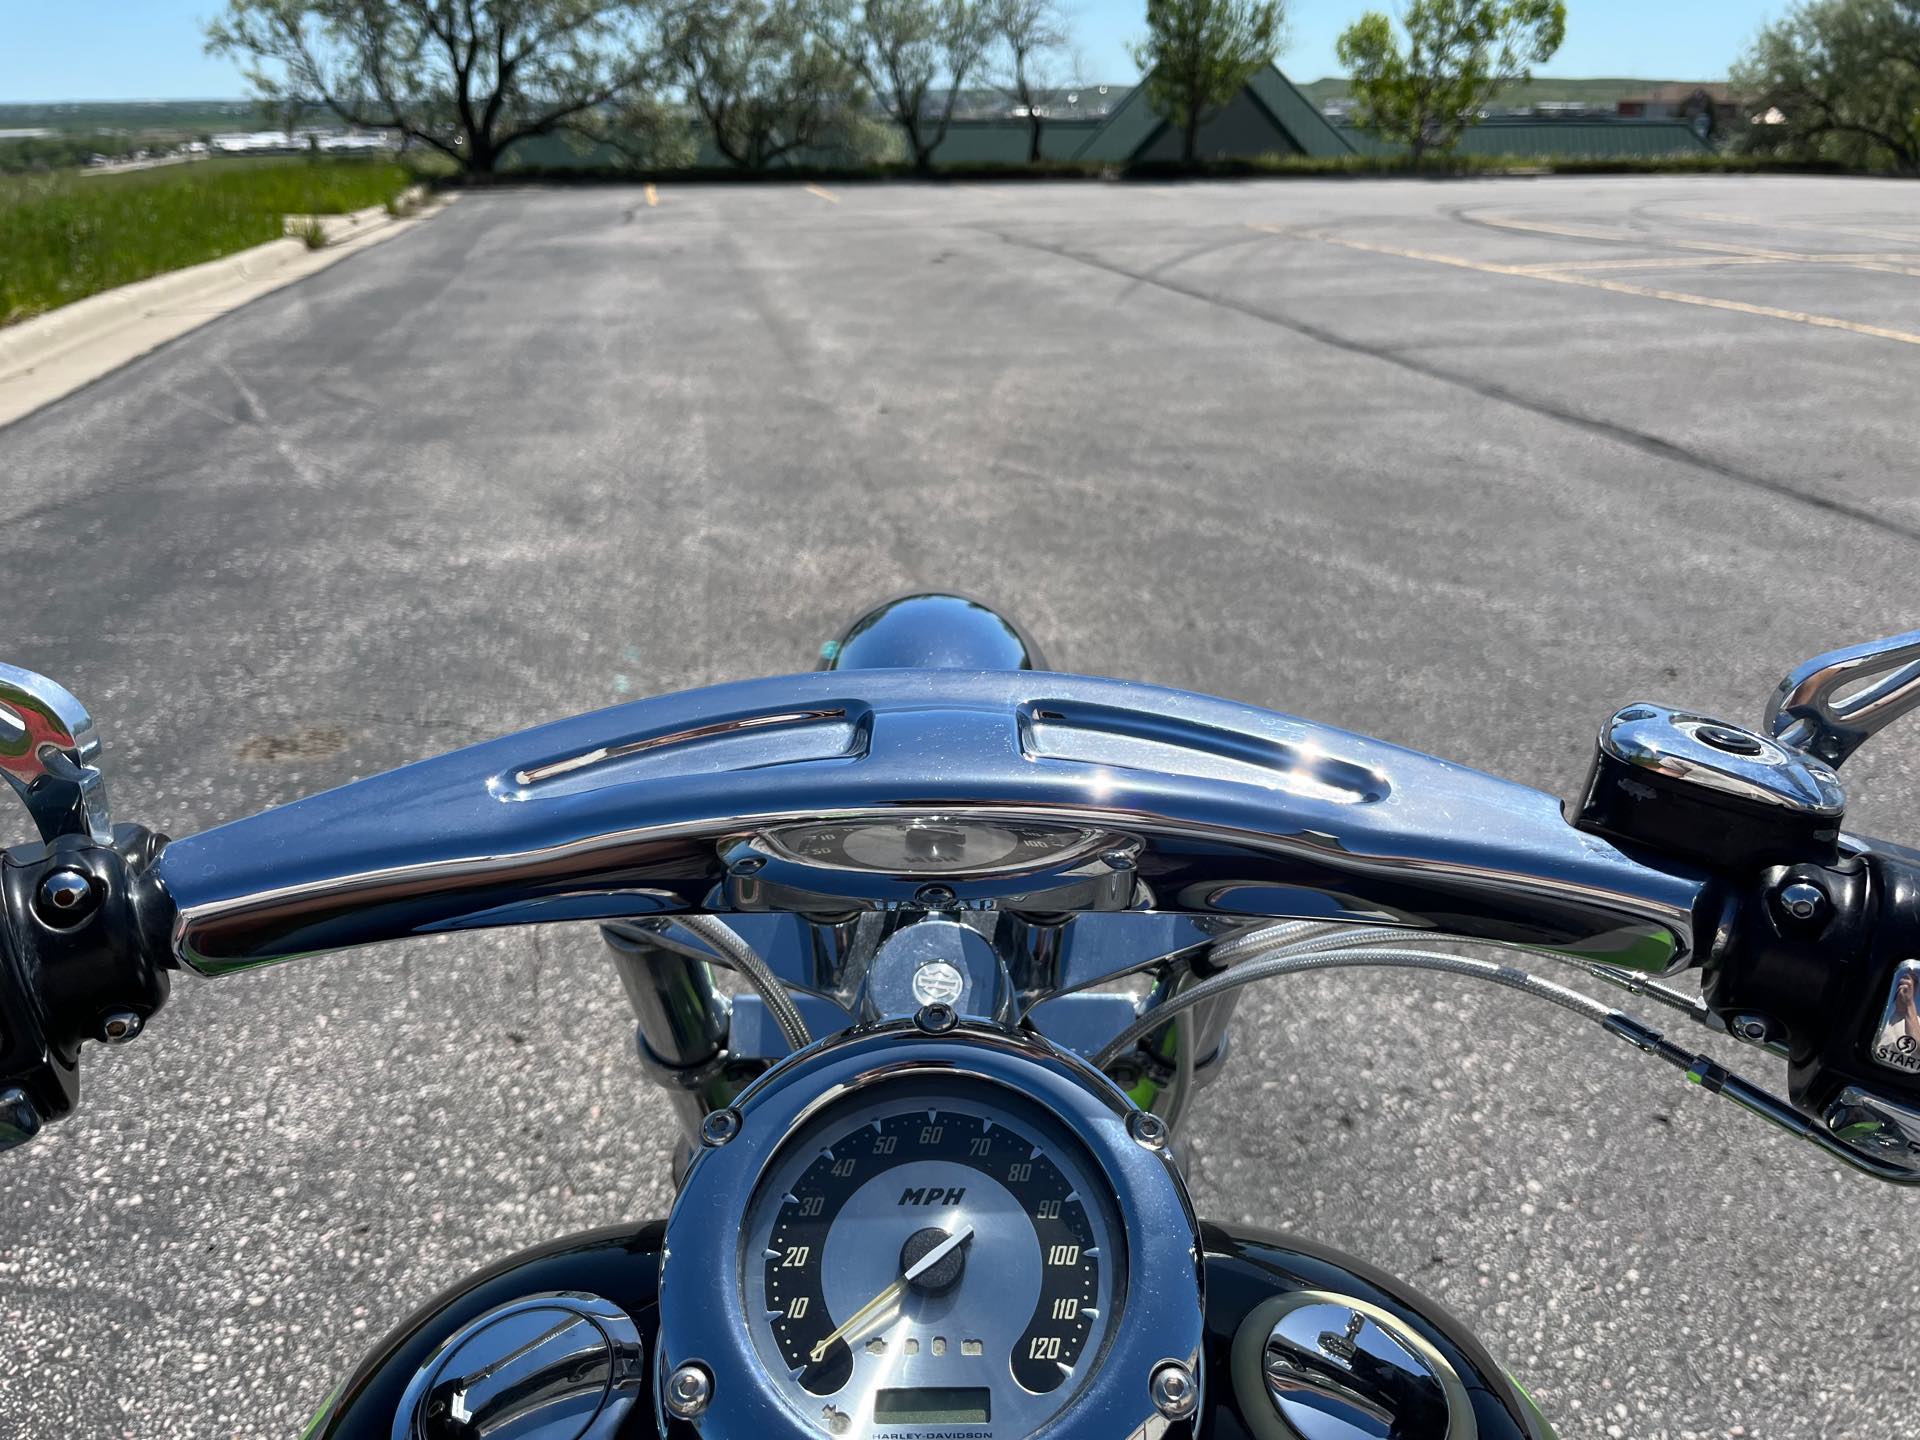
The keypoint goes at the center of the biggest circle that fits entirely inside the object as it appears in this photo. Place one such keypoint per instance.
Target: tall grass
(64, 237)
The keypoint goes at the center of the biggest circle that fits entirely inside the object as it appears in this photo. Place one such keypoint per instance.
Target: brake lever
(1804, 714)
(49, 753)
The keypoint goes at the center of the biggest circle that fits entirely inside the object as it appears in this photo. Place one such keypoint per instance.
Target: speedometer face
(931, 1259)
(930, 845)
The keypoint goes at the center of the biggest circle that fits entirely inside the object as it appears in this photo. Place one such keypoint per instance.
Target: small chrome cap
(1314, 1365)
(1716, 756)
(689, 1390)
(1176, 1394)
(558, 1366)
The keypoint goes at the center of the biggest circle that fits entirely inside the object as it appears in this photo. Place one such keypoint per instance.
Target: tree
(764, 84)
(1460, 54)
(1199, 54)
(466, 77)
(1845, 77)
(1032, 35)
(901, 48)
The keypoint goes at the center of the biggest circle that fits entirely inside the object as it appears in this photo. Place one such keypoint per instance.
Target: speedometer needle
(862, 1317)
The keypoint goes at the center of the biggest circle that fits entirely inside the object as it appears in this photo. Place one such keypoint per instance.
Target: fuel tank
(1302, 1343)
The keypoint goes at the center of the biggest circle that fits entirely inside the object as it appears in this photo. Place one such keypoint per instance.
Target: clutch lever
(1804, 714)
(50, 755)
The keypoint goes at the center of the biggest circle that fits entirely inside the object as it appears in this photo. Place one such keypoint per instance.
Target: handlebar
(1696, 842)
(1224, 810)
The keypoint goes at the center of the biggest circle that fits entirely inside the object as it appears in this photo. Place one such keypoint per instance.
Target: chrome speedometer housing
(1149, 1273)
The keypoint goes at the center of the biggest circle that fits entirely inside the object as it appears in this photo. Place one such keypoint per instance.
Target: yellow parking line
(826, 195)
(1670, 262)
(1717, 217)
(653, 196)
(1591, 282)
(1540, 227)
(1710, 247)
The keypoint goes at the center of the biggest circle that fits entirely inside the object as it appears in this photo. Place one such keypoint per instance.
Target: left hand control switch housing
(83, 937)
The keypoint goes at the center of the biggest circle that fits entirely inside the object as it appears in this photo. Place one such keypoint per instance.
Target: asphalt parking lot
(1465, 465)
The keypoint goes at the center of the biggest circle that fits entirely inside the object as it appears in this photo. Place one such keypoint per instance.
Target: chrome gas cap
(1319, 1366)
(557, 1366)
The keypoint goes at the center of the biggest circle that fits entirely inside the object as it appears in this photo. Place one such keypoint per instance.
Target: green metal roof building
(1269, 117)
(1559, 139)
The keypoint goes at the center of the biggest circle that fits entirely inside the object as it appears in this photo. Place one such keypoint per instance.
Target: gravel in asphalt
(1464, 465)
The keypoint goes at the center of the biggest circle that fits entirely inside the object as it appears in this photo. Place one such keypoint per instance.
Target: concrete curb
(54, 354)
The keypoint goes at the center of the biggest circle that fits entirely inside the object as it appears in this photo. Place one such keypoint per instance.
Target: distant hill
(1605, 92)
(136, 117)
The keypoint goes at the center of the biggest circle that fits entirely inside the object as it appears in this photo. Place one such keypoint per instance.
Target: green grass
(67, 236)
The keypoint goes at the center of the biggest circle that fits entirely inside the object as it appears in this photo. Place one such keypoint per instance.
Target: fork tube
(683, 1024)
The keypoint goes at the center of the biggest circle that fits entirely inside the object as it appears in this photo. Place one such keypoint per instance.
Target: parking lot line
(1718, 217)
(1662, 262)
(1886, 264)
(1594, 282)
(826, 195)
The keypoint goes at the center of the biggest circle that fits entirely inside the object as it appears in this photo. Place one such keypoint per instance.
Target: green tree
(904, 50)
(466, 77)
(764, 84)
(1198, 55)
(1845, 78)
(1459, 55)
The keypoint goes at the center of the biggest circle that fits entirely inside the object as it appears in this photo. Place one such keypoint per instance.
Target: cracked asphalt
(1465, 465)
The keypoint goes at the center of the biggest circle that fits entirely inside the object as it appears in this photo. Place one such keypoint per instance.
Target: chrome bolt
(719, 1127)
(1148, 1129)
(689, 1389)
(1117, 860)
(1803, 900)
(65, 898)
(1752, 1027)
(934, 897)
(120, 1027)
(937, 1018)
(1176, 1394)
(749, 865)
(1734, 742)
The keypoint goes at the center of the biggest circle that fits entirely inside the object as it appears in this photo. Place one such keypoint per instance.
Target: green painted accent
(1648, 951)
(1542, 1427)
(320, 1415)
(830, 650)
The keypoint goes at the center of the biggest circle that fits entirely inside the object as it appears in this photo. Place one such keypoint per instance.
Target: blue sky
(151, 49)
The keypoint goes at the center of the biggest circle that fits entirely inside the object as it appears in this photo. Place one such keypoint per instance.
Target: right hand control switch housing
(1689, 785)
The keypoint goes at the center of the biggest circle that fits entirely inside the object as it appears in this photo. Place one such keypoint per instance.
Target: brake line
(1329, 953)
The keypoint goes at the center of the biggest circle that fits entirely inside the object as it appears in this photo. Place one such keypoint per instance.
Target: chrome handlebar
(1202, 817)
(1226, 810)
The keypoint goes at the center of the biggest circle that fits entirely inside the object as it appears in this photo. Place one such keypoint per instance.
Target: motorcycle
(990, 924)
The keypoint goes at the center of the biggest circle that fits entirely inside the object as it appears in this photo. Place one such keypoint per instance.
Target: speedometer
(933, 845)
(931, 1255)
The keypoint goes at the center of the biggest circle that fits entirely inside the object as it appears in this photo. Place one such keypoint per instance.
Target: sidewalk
(55, 354)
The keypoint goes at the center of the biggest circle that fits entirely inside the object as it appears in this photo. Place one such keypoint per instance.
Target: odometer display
(931, 1241)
